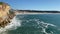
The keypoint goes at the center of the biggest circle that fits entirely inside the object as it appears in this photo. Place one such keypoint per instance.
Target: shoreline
(35, 13)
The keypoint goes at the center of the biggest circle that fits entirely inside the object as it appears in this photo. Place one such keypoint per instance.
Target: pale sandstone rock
(5, 15)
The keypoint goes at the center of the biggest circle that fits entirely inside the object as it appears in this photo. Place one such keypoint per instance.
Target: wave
(37, 24)
(44, 26)
(47, 28)
(11, 26)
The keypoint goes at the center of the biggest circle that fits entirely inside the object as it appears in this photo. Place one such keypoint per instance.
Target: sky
(34, 4)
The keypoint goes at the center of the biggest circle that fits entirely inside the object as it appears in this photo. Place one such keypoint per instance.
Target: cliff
(5, 15)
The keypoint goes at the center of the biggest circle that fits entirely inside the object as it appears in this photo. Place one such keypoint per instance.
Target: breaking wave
(11, 26)
(30, 26)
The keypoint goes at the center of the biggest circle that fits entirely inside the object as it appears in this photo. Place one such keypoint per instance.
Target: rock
(5, 15)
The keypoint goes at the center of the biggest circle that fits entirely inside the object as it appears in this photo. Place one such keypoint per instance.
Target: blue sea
(33, 24)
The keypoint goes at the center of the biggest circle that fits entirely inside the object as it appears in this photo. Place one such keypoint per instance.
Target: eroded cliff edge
(5, 14)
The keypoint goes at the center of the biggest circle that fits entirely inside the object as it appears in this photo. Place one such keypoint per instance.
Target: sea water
(33, 24)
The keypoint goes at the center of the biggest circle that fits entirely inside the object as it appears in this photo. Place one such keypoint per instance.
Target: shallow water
(34, 24)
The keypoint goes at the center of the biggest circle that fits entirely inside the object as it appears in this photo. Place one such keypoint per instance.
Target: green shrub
(1, 3)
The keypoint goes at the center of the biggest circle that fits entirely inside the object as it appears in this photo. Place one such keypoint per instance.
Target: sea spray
(11, 26)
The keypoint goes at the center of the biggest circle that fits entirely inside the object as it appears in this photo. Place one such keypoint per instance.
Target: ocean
(33, 24)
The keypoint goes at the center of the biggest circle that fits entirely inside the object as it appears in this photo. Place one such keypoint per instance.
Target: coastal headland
(7, 13)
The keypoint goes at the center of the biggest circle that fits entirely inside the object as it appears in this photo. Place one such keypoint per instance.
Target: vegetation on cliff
(1, 3)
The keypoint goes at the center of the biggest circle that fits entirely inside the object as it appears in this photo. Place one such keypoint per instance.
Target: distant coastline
(35, 12)
(40, 11)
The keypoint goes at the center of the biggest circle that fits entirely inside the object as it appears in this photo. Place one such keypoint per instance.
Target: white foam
(14, 24)
(44, 31)
(11, 26)
(43, 25)
(47, 24)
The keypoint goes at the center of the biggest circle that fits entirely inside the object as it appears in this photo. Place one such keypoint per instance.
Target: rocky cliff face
(4, 10)
(5, 15)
